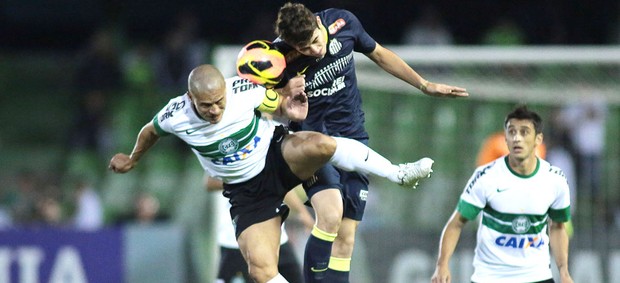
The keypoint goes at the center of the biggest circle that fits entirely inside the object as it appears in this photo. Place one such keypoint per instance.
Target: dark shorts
(352, 185)
(261, 198)
(232, 264)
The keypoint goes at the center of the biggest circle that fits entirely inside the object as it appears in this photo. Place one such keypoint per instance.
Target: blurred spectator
(587, 120)
(98, 64)
(88, 211)
(146, 210)
(559, 153)
(182, 50)
(23, 200)
(505, 32)
(98, 73)
(428, 29)
(6, 218)
(89, 131)
(49, 212)
(138, 67)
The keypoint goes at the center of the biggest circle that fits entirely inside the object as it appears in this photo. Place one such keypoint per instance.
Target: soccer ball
(261, 63)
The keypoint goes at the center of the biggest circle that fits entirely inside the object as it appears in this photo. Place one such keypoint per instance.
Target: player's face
(521, 138)
(317, 46)
(210, 106)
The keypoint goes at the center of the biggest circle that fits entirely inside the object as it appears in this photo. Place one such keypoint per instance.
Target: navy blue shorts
(262, 197)
(352, 185)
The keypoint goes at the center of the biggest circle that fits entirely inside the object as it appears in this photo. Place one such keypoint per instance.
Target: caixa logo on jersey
(519, 242)
(233, 153)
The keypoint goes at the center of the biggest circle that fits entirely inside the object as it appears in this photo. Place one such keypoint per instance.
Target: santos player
(521, 197)
(321, 46)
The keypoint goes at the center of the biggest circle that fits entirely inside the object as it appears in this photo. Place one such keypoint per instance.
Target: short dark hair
(295, 24)
(522, 113)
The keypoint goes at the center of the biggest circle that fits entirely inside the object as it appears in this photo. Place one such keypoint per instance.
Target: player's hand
(442, 90)
(121, 163)
(294, 99)
(294, 86)
(441, 275)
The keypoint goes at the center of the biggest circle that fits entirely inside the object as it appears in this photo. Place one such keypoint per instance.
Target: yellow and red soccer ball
(261, 63)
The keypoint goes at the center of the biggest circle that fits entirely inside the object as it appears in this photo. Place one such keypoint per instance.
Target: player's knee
(347, 240)
(329, 220)
(323, 146)
(261, 273)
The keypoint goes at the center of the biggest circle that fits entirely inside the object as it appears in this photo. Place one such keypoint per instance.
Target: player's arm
(558, 240)
(289, 102)
(122, 163)
(447, 244)
(396, 66)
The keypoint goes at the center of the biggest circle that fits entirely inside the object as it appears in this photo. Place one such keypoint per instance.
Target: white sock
(352, 155)
(278, 279)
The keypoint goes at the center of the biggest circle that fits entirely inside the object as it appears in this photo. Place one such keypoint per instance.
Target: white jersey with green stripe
(512, 240)
(233, 149)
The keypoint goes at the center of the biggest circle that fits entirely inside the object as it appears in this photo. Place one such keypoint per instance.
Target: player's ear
(191, 98)
(539, 139)
(318, 21)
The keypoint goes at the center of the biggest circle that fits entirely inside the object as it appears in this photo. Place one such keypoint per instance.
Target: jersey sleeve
(364, 43)
(162, 119)
(473, 198)
(560, 208)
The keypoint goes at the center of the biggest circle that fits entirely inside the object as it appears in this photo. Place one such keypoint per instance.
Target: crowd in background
(126, 56)
(64, 25)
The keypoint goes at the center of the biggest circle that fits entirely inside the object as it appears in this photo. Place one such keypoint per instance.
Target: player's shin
(352, 155)
(316, 255)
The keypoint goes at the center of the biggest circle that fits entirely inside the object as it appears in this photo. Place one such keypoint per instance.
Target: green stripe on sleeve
(468, 210)
(158, 128)
(560, 215)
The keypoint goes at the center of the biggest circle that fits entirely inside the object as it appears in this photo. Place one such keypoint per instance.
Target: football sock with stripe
(352, 155)
(338, 270)
(316, 255)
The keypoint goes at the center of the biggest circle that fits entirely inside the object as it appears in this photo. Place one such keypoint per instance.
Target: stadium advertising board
(56, 255)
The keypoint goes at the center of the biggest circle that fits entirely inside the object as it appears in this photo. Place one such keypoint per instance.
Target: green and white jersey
(512, 240)
(232, 150)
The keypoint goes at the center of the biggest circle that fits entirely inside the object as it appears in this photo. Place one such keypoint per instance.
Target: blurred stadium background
(42, 49)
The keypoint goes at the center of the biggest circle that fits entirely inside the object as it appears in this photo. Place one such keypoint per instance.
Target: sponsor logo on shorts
(363, 195)
(311, 181)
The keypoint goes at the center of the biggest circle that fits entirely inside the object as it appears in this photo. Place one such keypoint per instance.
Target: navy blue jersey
(335, 103)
